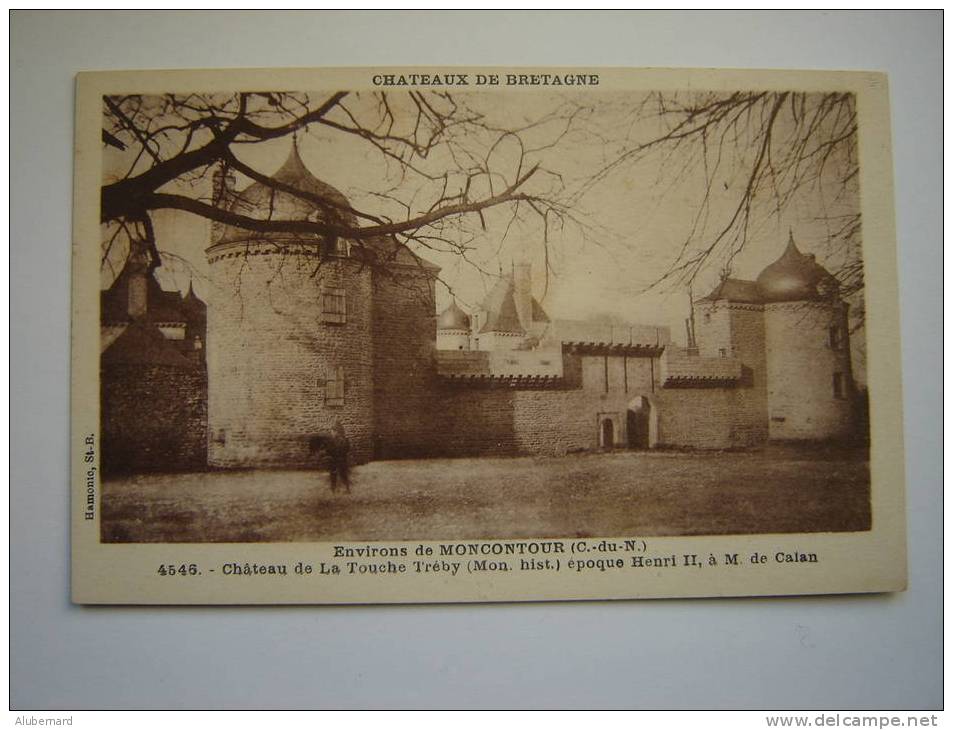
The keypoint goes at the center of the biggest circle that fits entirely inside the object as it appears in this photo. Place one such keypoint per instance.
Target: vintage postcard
(386, 335)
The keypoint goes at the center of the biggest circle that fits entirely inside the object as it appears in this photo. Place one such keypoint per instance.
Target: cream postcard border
(872, 561)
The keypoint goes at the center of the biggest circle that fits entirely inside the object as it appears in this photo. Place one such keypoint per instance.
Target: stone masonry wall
(473, 421)
(801, 367)
(468, 420)
(721, 417)
(749, 426)
(700, 418)
(153, 418)
(404, 369)
(272, 350)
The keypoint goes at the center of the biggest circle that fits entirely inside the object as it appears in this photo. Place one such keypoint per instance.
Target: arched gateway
(642, 423)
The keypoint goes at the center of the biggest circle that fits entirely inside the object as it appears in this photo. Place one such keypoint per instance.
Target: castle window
(334, 306)
(334, 246)
(836, 337)
(838, 383)
(707, 318)
(334, 388)
(722, 352)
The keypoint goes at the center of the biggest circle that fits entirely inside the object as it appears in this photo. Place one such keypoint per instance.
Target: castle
(307, 331)
(153, 380)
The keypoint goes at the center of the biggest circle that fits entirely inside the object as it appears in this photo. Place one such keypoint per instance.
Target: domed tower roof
(264, 202)
(795, 277)
(453, 318)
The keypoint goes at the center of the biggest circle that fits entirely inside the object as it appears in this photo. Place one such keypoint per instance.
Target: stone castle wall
(469, 420)
(749, 425)
(172, 436)
(504, 421)
(703, 418)
(801, 364)
(272, 351)
(404, 365)
(721, 417)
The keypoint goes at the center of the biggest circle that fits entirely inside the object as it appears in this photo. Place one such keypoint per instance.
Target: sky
(627, 230)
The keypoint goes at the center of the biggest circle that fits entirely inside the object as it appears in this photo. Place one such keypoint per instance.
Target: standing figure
(337, 447)
(340, 465)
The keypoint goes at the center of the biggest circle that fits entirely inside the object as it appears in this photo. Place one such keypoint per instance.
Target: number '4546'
(183, 569)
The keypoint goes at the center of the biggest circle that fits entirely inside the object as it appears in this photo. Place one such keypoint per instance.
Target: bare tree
(754, 153)
(446, 162)
(453, 169)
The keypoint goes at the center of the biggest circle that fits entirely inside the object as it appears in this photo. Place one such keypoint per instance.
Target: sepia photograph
(491, 333)
(451, 312)
(467, 360)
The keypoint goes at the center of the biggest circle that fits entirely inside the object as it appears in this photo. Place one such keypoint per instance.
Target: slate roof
(500, 307)
(141, 343)
(165, 307)
(501, 313)
(195, 311)
(735, 290)
(794, 276)
(539, 314)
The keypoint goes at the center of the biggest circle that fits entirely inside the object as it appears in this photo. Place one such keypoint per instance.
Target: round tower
(289, 330)
(807, 350)
(453, 329)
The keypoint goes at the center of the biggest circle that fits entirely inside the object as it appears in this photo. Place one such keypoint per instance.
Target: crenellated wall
(283, 365)
(473, 419)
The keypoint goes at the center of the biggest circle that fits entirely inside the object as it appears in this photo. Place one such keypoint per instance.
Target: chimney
(523, 293)
(137, 286)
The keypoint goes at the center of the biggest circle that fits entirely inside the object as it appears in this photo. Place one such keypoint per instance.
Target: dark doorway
(638, 424)
(608, 434)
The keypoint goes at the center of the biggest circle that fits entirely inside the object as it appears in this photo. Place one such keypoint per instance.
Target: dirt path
(625, 493)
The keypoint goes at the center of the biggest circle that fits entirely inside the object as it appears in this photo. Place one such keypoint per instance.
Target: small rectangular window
(334, 387)
(334, 306)
(838, 385)
(334, 246)
(722, 352)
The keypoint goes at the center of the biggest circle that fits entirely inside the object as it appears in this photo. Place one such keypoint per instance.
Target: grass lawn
(773, 490)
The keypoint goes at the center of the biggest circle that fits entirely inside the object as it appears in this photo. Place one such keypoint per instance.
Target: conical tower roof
(501, 312)
(194, 308)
